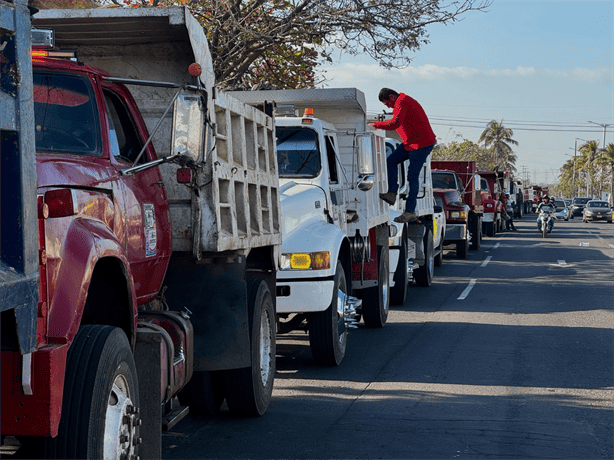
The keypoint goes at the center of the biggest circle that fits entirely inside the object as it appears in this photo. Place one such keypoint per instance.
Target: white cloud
(351, 74)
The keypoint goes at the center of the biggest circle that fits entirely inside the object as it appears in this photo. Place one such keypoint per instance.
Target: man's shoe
(389, 197)
(406, 217)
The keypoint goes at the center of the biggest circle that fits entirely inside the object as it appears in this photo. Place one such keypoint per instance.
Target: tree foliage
(500, 139)
(281, 42)
(494, 154)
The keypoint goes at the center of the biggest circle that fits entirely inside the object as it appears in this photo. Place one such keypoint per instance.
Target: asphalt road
(509, 354)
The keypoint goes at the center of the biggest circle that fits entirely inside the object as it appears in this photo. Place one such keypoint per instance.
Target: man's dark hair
(385, 93)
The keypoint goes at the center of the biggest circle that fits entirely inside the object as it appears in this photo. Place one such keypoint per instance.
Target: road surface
(509, 354)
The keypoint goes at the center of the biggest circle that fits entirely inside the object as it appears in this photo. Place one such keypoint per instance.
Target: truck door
(146, 205)
(338, 194)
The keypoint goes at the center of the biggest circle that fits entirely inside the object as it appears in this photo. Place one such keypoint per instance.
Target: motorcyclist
(547, 207)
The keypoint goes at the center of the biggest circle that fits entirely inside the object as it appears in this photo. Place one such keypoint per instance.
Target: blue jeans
(416, 160)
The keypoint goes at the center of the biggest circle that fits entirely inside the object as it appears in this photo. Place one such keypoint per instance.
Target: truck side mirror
(188, 125)
(365, 156)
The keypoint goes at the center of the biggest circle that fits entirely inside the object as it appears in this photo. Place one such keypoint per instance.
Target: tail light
(61, 203)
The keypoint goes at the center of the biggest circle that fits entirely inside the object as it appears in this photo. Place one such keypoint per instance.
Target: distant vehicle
(562, 214)
(559, 204)
(567, 201)
(597, 210)
(577, 206)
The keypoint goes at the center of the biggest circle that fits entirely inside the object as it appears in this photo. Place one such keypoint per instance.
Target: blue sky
(544, 67)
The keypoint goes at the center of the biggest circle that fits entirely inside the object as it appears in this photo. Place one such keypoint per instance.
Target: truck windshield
(297, 152)
(444, 181)
(65, 115)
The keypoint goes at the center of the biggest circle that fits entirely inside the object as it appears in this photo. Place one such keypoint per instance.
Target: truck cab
(448, 187)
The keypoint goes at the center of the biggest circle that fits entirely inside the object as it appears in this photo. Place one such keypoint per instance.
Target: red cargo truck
(457, 184)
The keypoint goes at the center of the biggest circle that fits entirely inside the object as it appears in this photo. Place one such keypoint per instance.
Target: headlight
(490, 205)
(306, 261)
(458, 215)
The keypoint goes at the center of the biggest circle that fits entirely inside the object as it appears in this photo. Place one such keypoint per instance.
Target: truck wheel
(249, 389)
(204, 393)
(439, 257)
(424, 274)
(376, 300)
(398, 292)
(462, 249)
(476, 235)
(101, 400)
(490, 229)
(327, 344)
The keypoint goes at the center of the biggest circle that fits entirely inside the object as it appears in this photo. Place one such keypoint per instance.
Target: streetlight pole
(604, 126)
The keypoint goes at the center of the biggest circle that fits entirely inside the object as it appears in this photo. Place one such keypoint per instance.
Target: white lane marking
(562, 263)
(611, 245)
(496, 245)
(584, 244)
(486, 261)
(467, 290)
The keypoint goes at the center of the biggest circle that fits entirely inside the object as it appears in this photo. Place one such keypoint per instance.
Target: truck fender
(316, 236)
(87, 242)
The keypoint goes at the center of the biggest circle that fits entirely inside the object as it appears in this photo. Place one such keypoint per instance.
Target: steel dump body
(19, 269)
(346, 109)
(238, 204)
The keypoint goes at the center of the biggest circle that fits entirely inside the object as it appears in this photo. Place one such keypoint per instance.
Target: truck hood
(301, 204)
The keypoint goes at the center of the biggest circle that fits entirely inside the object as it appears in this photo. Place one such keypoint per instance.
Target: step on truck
(159, 239)
(458, 185)
(335, 257)
(417, 247)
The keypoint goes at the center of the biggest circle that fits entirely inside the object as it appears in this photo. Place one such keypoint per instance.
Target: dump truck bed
(236, 206)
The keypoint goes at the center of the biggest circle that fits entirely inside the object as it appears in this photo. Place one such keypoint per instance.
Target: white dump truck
(335, 258)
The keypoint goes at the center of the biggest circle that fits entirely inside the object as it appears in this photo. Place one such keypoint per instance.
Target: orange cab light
(39, 53)
(308, 112)
(195, 69)
(321, 260)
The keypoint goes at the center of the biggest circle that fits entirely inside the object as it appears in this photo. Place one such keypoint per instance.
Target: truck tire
(476, 234)
(439, 257)
(204, 393)
(249, 389)
(462, 249)
(376, 300)
(398, 292)
(424, 274)
(327, 345)
(101, 400)
(490, 229)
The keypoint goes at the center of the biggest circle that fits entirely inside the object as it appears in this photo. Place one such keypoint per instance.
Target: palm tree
(606, 157)
(500, 138)
(588, 153)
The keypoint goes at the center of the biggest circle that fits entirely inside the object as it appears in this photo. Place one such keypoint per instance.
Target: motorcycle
(545, 220)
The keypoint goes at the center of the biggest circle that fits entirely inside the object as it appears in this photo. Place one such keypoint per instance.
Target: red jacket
(411, 122)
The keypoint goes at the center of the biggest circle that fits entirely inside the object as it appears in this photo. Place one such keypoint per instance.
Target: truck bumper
(303, 296)
(37, 414)
(488, 217)
(455, 232)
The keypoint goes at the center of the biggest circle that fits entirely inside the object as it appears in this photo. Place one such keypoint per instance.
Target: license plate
(599, 216)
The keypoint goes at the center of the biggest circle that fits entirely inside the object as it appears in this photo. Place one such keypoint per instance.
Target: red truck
(532, 196)
(491, 189)
(457, 184)
(157, 252)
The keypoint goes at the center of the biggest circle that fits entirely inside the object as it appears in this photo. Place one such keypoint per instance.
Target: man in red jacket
(412, 124)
